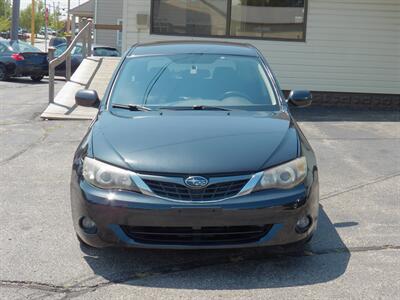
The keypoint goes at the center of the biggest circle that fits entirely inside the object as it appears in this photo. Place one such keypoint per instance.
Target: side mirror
(300, 98)
(87, 98)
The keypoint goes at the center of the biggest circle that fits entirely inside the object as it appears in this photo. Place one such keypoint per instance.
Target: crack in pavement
(127, 276)
(359, 186)
(26, 149)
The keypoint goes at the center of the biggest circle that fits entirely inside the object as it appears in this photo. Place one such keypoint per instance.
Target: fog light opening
(303, 224)
(88, 225)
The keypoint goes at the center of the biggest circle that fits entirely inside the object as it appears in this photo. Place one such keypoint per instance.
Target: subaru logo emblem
(196, 182)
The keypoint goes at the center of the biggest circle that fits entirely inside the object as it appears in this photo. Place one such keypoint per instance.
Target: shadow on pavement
(331, 114)
(27, 80)
(325, 259)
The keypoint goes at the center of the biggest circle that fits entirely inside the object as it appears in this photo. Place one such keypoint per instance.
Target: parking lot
(355, 253)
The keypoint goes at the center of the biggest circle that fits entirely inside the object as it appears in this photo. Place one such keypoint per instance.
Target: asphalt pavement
(355, 253)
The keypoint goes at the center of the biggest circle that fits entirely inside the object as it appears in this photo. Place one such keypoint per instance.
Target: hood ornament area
(196, 182)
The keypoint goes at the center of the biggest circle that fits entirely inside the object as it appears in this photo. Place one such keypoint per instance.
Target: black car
(77, 56)
(194, 146)
(19, 59)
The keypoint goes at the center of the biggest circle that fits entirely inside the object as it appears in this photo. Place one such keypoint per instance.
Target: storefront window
(282, 19)
(255, 19)
(190, 17)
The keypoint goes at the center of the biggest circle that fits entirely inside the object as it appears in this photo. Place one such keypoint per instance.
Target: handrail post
(68, 61)
(84, 39)
(68, 68)
(51, 52)
(89, 39)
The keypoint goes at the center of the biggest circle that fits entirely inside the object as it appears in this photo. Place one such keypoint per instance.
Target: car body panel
(160, 144)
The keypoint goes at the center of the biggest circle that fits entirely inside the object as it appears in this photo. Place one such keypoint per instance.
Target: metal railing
(86, 36)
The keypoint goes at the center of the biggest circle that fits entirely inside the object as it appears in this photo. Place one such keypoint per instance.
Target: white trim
(120, 34)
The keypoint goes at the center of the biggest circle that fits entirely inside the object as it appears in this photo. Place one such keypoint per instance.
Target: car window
(60, 49)
(77, 50)
(23, 47)
(194, 79)
(99, 51)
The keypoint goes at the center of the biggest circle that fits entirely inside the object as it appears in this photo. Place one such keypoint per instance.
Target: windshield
(22, 47)
(60, 49)
(195, 80)
(100, 51)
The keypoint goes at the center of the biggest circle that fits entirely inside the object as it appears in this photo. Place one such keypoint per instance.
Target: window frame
(227, 34)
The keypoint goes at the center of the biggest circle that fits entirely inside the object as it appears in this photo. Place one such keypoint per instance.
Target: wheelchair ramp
(93, 73)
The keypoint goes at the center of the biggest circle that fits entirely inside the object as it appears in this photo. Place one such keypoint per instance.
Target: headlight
(106, 176)
(284, 176)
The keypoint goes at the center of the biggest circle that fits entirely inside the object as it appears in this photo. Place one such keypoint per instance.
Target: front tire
(37, 78)
(3, 73)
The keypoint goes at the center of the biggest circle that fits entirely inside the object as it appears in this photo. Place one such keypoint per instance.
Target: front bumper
(113, 211)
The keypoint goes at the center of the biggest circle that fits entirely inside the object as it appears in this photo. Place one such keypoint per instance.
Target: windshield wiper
(196, 107)
(131, 107)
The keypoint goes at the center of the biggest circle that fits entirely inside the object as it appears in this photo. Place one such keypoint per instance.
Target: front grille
(197, 236)
(181, 192)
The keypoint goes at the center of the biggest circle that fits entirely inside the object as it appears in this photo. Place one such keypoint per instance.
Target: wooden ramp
(94, 73)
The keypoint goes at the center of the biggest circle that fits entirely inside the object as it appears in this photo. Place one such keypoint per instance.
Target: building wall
(107, 13)
(351, 46)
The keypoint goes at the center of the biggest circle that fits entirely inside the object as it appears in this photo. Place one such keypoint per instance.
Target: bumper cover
(113, 211)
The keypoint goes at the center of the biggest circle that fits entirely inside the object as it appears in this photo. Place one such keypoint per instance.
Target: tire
(3, 73)
(37, 78)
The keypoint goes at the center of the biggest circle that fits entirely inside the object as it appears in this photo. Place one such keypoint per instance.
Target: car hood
(198, 142)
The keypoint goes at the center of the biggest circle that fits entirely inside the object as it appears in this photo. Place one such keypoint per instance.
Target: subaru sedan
(194, 147)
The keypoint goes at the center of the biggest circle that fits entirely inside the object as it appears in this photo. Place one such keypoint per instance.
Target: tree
(26, 16)
(54, 20)
(5, 9)
(5, 15)
(4, 24)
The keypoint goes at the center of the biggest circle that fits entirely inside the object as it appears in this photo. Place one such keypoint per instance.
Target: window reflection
(265, 19)
(190, 17)
(268, 19)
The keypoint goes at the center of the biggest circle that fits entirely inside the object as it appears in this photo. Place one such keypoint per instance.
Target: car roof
(193, 47)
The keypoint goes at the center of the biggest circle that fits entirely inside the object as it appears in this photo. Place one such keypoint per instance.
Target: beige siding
(108, 12)
(351, 46)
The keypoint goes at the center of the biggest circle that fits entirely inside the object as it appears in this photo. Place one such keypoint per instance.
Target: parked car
(77, 57)
(194, 146)
(57, 41)
(21, 59)
(21, 36)
(50, 31)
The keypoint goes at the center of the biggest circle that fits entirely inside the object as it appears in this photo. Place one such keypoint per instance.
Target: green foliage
(5, 15)
(26, 17)
(5, 9)
(55, 23)
(4, 24)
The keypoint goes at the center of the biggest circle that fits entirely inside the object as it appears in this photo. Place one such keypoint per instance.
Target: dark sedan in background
(77, 57)
(18, 59)
(194, 146)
